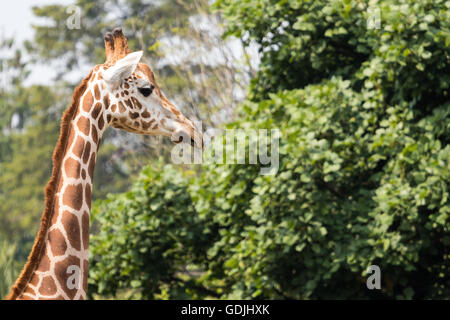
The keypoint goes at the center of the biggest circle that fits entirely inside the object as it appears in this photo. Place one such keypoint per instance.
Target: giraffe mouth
(126, 127)
(179, 137)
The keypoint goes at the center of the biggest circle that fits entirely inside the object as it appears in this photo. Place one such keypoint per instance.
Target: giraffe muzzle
(193, 137)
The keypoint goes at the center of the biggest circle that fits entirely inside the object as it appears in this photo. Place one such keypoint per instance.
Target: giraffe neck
(61, 270)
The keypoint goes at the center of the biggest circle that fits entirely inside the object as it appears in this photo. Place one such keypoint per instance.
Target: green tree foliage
(9, 268)
(363, 176)
(12, 71)
(25, 172)
(26, 144)
(307, 41)
(132, 250)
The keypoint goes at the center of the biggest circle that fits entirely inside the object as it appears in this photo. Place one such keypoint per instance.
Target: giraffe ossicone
(121, 93)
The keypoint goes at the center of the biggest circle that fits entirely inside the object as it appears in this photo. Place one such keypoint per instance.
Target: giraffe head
(134, 99)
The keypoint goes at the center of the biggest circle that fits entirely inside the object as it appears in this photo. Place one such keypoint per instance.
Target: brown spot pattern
(48, 286)
(56, 208)
(30, 290)
(147, 125)
(175, 111)
(121, 107)
(85, 229)
(72, 227)
(58, 243)
(134, 115)
(62, 275)
(97, 109)
(136, 102)
(72, 136)
(73, 197)
(44, 264)
(97, 92)
(35, 280)
(85, 267)
(88, 100)
(94, 134)
(87, 195)
(78, 147)
(87, 152)
(91, 166)
(83, 125)
(106, 101)
(101, 122)
(72, 168)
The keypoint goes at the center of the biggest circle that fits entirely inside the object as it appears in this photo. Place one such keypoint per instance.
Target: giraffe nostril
(180, 136)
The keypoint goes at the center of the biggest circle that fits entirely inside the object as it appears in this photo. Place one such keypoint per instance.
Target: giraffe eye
(146, 91)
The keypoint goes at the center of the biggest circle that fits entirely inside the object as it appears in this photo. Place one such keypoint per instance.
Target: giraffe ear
(122, 69)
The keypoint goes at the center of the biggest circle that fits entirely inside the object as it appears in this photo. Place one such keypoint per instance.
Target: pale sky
(16, 18)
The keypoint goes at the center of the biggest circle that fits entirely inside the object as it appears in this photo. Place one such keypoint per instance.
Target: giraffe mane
(50, 191)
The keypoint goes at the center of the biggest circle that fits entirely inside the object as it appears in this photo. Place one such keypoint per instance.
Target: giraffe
(121, 93)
